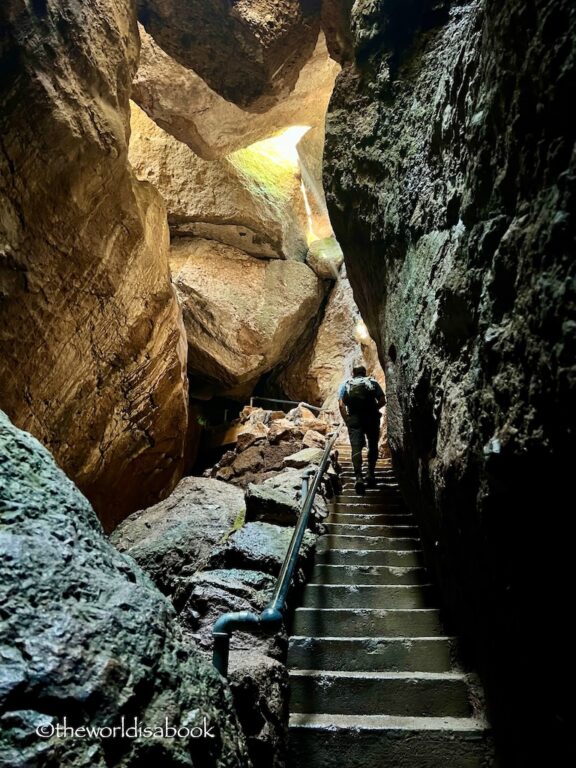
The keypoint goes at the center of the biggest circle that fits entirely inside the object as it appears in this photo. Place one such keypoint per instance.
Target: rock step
(342, 556)
(367, 596)
(371, 517)
(380, 741)
(339, 541)
(363, 622)
(367, 574)
(370, 654)
(372, 529)
(414, 694)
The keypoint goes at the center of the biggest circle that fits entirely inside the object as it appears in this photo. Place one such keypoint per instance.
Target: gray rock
(271, 505)
(286, 485)
(260, 690)
(261, 546)
(88, 636)
(304, 457)
(173, 539)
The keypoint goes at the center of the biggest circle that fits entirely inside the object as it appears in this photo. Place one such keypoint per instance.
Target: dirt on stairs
(374, 679)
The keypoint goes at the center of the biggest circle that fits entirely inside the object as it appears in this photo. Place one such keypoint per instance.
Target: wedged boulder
(304, 457)
(92, 352)
(249, 52)
(325, 257)
(242, 315)
(172, 540)
(227, 590)
(260, 691)
(262, 546)
(278, 500)
(87, 636)
(249, 200)
(185, 106)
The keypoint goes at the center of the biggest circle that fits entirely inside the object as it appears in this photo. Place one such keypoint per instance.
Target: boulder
(251, 200)
(181, 103)
(313, 439)
(283, 430)
(270, 504)
(325, 257)
(86, 635)
(288, 484)
(250, 434)
(260, 691)
(242, 315)
(250, 53)
(92, 351)
(171, 540)
(304, 457)
(225, 590)
(262, 546)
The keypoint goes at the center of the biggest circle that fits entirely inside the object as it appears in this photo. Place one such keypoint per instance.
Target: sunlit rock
(92, 359)
(325, 257)
(180, 102)
(251, 200)
(243, 315)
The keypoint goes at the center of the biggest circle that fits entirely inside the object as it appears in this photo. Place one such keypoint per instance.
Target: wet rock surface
(87, 636)
(450, 180)
(92, 351)
(173, 539)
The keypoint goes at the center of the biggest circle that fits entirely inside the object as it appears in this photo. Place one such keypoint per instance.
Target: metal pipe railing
(272, 616)
(287, 402)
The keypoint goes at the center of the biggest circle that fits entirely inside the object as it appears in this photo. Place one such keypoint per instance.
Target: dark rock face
(172, 540)
(88, 637)
(450, 179)
(246, 51)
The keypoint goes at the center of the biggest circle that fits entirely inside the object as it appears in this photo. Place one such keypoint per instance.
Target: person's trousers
(359, 434)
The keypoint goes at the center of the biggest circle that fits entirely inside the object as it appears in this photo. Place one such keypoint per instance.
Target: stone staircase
(373, 679)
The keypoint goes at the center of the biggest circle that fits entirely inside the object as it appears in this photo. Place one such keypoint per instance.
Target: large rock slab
(262, 546)
(92, 351)
(173, 539)
(249, 200)
(87, 636)
(185, 106)
(249, 52)
(278, 499)
(243, 315)
(450, 173)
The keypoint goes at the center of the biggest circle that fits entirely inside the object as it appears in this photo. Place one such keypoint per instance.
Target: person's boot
(371, 481)
(359, 485)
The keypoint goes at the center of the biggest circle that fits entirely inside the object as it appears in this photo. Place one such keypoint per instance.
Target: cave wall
(92, 345)
(449, 172)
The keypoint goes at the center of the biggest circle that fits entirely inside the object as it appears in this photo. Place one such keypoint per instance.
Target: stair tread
(384, 722)
(367, 675)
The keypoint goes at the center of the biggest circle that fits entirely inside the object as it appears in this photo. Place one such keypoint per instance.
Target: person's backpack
(359, 393)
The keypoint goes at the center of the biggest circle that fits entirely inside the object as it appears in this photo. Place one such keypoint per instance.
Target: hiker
(360, 399)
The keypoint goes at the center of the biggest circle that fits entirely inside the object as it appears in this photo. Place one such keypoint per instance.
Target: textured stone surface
(260, 689)
(262, 546)
(216, 199)
(181, 103)
(304, 457)
(92, 359)
(450, 178)
(242, 315)
(325, 257)
(278, 500)
(87, 636)
(250, 52)
(172, 540)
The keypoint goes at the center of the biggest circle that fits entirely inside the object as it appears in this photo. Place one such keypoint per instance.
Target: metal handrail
(272, 616)
(287, 402)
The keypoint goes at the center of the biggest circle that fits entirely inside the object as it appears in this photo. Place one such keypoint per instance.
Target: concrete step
(360, 505)
(415, 694)
(372, 518)
(367, 596)
(370, 654)
(380, 741)
(367, 574)
(341, 556)
(363, 622)
(339, 541)
(372, 529)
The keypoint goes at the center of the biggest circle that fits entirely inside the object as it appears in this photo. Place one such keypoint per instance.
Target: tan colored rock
(252, 200)
(242, 315)
(325, 257)
(250, 51)
(182, 103)
(251, 434)
(283, 429)
(313, 439)
(92, 359)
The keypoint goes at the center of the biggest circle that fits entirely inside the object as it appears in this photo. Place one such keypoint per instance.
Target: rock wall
(87, 637)
(450, 181)
(92, 350)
